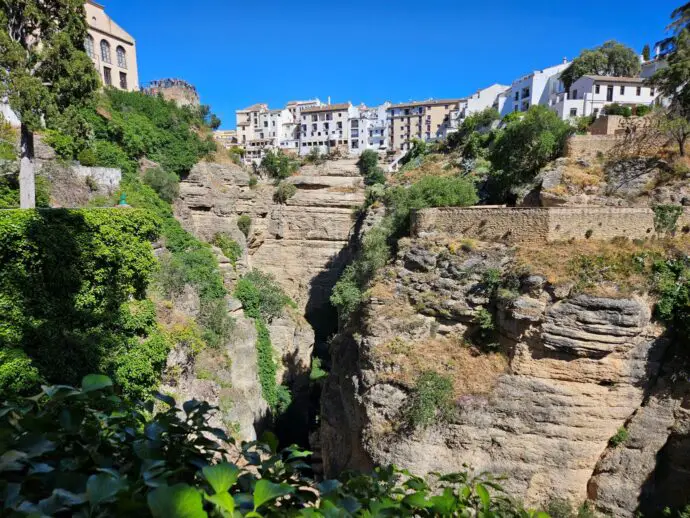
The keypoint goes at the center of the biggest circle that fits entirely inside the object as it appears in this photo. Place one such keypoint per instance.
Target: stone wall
(539, 225)
(108, 178)
(590, 146)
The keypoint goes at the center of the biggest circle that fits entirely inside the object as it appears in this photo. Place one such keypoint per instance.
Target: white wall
(9, 115)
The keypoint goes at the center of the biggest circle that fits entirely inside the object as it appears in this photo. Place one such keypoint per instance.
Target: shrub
(171, 463)
(284, 192)
(230, 248)
(368, 161)
(666, 218)
(617, 109)
(87, 157)
(582, 124)
(244, 223)
(217, 323)
(64, 145)
(279, 164)
(619, 438)
(315, 157)
(432, 399)
(317, 372)
(560, 508)
(8, 140)
(18, 375)
(266, 364)
(375, 176)
(261, 295)
(165, 184)
(253, 180)
(642, 109)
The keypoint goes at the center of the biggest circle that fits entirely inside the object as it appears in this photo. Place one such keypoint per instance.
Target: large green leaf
(178, 501)
(92, 382)
(222, 476)
(265, 491)
(483, 494)
(224, 501)
(102, 488)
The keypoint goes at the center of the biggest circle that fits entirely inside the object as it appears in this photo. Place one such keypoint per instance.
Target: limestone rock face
(303, 243)
(574, 369)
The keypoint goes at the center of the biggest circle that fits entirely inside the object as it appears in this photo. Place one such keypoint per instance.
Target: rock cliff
(538, 398)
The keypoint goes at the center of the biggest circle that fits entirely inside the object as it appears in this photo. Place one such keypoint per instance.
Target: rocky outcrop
(303, 242)
(572, 370)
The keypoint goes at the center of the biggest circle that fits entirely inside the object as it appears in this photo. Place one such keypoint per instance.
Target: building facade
(532, 89)
(112, 50)
(226, 138)
(179, 91)
(424, 120)
(326, 127)
(590, 94)
(369, 129)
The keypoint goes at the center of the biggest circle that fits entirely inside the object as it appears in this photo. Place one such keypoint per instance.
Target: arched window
(121, 57)
(105, 51)
(88, 46)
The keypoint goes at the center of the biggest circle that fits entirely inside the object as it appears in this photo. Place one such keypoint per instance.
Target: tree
(278, 164)
(677, 128)
(646, 52)
(214, 122)
(680, 17)
(43, 69)
(610, 59)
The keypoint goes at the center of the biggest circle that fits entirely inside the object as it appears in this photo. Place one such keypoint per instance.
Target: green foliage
(109, 154)
(620, 437)
(166, 184)
(642, 109)
(87, 157)
(369, 169)
(431, 400)
(244, 223)
(261, 296)
(582, 124)
(560, 508)
(9, 191)
(315, 157)
(672, 285)
(284, 191)
(673, 80)
(86, 452)
(666, 218)
(317, 371)
(266, 364)
(230, 248)
(18, 375)
(64, 145)
(646, 52)
(75, 281)
(279, 164)
(253, 181)
(217, 324)
(609, 59)
(8, 140)
(523, 147)
(485, 319)
(418, 150)
(618, 109)
(472, 133)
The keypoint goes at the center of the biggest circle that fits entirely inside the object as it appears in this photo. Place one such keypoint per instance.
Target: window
(123, 80)
(105, 51)
(651, 92)
(517, 96)
(314, 118)
(265, 124)
(88, 46)
(639, 91)
(596, 89)
(107, 78)
(573, 112)
(329, 116)
(609, 93)
(355, 143)
(622, 90)
(525, 92)
(121, 57)
(575, 94)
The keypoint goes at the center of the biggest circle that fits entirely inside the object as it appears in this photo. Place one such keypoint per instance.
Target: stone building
(112, 50)
(226, 138)
(424, 120)
(177, 90)
(326, 127)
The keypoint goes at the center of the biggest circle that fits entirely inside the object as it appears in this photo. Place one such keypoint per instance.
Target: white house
(369, 129)
(326, 127)
(479, 101)
(590, 94)
(532, 89)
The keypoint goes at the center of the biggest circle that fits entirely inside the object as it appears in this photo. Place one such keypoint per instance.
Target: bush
(87, 157)
(582, 124)
(64, 145)
(74, 281)
(230, 248)
(279, 164)
(253, 180)
(375, 176)
(315, 157)
(618, 109)
(18, 375)
(217, 323)
(164, 183)
(8, 140)
(620, 437)
(432, 399)
(666, 218)
(284, 192)
(560, 508)
(261, 295)
(244, 223)
(266, 364)
(171, 464)
(642, 109)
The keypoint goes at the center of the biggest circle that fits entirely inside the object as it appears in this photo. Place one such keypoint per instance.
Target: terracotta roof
(430, 102)
(613, 79)
(254, 107)
(327, 108)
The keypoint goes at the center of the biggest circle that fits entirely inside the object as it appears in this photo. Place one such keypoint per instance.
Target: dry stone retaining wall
(539, 225)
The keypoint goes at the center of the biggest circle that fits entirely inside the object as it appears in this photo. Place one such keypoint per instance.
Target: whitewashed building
(326, 127)
(479, 101)
(590, 94)
(369, 129)
(532, 89)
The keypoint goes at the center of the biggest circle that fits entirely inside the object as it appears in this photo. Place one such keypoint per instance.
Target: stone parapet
(540, 225)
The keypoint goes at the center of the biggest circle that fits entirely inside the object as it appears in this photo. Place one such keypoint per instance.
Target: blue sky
(239, 53)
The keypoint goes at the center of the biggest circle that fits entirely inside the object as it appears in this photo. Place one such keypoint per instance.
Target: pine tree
(43, 69)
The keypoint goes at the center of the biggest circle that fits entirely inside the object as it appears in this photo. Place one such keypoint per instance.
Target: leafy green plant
(317, 372)
(279, 164)
(261, 295)
(87, 157)
(315, 157)
(166, 184)
(666, 218)
(244, 223)
(284, 191)
(620, 437)
(230, 248)
(431, 400)
(618, 109)
(253, 181)
(560, 508)
(84, 451)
